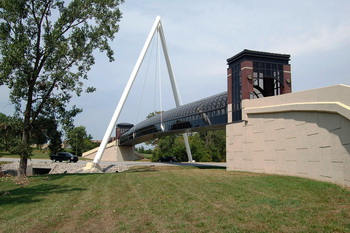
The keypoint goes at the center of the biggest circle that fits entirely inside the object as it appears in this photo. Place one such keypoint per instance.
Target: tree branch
(33, 12)
(43, 102)
(38, 56)
(71, 25)
(48, 93)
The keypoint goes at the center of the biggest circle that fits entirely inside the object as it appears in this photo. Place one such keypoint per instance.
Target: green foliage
(163, 147)
(46, 130)
(215, 144)
(46, 51)
(10, 133)
(143, 150)
(55, 138)
(79, 140)
(199, 151)
(205, 147)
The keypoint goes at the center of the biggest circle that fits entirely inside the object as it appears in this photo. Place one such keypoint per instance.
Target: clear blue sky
(201, 35)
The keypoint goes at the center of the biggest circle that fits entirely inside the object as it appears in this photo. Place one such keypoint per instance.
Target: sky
(200, 36)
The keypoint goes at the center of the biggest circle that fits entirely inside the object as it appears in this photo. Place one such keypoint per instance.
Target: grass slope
(37, 154)
(159, 199)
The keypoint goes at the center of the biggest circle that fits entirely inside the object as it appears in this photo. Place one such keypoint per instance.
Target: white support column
(173, 86)
(156, 26)
(125, 94)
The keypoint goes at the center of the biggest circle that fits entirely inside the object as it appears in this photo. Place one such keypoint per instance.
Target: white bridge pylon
(157, 26)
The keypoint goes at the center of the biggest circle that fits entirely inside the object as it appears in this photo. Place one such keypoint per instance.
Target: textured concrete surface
(303, 134)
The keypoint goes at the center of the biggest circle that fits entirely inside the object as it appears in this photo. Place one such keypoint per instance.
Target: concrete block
(268, 130)
(258, 163)
(269, 150)
(289, 123)
(268, 117)
(248, 133)
(337, 170)
(311, 117)
(329, 121)
(29, 170)
(259, 142)
(125, 153)
(345, 131)
(299, 117)
(258, 123)
(280, 163)
(90, 168)
(279, 121)
(325, 168)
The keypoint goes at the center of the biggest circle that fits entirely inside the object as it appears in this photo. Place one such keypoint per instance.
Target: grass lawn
(172, 199)
(37, 154)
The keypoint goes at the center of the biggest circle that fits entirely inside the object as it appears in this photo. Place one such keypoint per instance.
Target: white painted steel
(125, 94)
(156, 26)
(173, 85)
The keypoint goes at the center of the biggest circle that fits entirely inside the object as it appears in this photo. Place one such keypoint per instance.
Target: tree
(163, 147)
(46, 130)
(215, 144)
(10, 129)
(46, 51)
(79, 140)
(207, 146)
(55, 138)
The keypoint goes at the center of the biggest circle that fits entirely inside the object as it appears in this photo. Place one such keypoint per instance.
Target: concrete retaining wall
(109, 154)
(114, 153)
(303, 134)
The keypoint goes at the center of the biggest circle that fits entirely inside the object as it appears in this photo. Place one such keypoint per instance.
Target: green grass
(172, 199)
(37, 154)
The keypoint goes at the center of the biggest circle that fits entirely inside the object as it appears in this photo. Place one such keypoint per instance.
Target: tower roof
(258, 55)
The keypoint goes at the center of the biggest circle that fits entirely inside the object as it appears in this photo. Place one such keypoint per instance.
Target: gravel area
(60, 168)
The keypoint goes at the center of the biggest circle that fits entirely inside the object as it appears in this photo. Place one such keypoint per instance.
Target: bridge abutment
(114, 153)
(125, 153)
(305, 134)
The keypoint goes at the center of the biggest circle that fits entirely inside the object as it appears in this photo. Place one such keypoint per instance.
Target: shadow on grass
(143, 169)
(31, 192)
(27, 195)
(210, 167)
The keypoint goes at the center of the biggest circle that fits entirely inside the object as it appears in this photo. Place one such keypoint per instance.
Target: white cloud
(315, 40)
(202, 34)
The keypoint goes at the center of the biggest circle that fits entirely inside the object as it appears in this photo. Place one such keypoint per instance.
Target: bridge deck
(204, 114)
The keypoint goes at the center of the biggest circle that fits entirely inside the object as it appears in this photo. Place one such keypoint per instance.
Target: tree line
(46, 131)
(209, 146)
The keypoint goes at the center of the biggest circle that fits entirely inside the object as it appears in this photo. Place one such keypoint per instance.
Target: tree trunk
(24, 150)
(24, 146)
(22, 170)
